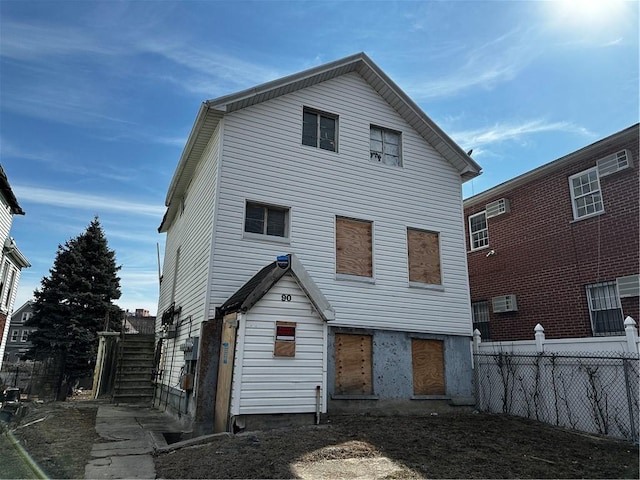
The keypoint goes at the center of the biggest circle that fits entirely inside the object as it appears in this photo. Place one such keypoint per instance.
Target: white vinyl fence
(590, 391)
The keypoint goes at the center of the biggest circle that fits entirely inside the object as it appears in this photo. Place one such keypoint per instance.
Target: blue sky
(97, 98)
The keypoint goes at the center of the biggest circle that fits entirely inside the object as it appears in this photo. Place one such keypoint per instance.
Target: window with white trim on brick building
(478, 231)
(605, 309)
(586, 196)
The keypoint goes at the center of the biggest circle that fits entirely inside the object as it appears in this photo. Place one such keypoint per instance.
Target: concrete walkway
(128, 436)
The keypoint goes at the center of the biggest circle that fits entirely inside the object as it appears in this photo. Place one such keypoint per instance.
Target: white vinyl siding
(265, 383)
(6, 218)
(10, 299)
(190, 234)
(270, 163)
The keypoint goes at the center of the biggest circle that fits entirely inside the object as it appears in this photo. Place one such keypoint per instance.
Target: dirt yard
(58, 436)
(443, 446)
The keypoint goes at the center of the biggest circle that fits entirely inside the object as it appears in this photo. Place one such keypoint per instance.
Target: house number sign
(286, 297)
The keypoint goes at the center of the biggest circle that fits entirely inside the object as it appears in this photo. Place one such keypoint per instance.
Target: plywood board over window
(353, 364)
(285, 343)
(427, 358)
(424, 256)
(354, 252)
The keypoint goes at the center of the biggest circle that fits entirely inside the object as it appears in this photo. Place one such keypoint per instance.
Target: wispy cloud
(29, 41)
(485, 66)
(208, 71)
(502, 132)
(84, 201)
(53, 160)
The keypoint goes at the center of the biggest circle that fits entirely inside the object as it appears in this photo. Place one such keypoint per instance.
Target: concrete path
(128, 436)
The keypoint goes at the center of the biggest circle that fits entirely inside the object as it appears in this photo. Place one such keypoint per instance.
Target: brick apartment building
(559, 246)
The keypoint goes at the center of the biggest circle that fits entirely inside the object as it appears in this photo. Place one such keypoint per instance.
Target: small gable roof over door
(212, 111)
(252, 291)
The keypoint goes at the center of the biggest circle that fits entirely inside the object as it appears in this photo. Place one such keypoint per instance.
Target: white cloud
(501, 132)
(29, 41)
(208, 72)
(484, 66)
(85, 201)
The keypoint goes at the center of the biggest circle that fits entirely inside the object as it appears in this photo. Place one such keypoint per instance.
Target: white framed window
(385, 146)
(10, 279)
(478, 231)
(605, 309)
(24, 336)
(480, 313)
(320, 130)
(14, 336)
(586, 197)
(268, 220)
(3, 279)
(25, 316)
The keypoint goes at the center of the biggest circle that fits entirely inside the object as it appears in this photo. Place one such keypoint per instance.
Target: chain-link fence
(595, 393)
(36, 379)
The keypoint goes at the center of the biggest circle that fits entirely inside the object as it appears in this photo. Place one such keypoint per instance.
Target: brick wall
(546, 258)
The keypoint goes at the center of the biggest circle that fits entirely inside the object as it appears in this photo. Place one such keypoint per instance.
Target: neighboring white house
(337, 172)
(18, 337)
(12, 261)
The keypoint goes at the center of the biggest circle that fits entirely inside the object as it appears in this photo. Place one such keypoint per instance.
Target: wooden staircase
(134, 378)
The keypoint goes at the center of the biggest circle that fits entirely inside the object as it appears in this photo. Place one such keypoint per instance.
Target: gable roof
(212, 111)
(600, 147)
(7, 193)
(258, 285)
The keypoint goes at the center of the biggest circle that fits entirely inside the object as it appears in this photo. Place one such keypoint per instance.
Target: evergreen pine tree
(73, 304)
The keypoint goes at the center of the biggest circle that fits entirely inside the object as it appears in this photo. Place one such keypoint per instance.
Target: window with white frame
(478, 231)
(385, 146)
(6, 297)
(320, 130)
(480, 312)
(24, 336)
(25, 316)
(267, 220)
(14, 336)
(605, 309)
(586, 196)
(3, 278)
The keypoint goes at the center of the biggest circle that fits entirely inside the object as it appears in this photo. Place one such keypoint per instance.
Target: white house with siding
(12, 261)
(337, 170)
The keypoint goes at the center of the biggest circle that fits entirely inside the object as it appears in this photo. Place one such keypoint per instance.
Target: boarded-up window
(285, 344)
(424, 256)
(353, 364)
(354, 253)
(427, 357)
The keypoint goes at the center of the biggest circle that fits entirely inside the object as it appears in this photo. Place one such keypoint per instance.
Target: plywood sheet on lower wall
(353, 364)
(427, 357)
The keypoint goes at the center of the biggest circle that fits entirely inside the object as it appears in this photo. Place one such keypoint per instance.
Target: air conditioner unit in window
(504, 303)
(498, 207)
(614, 162)
(628, 286)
